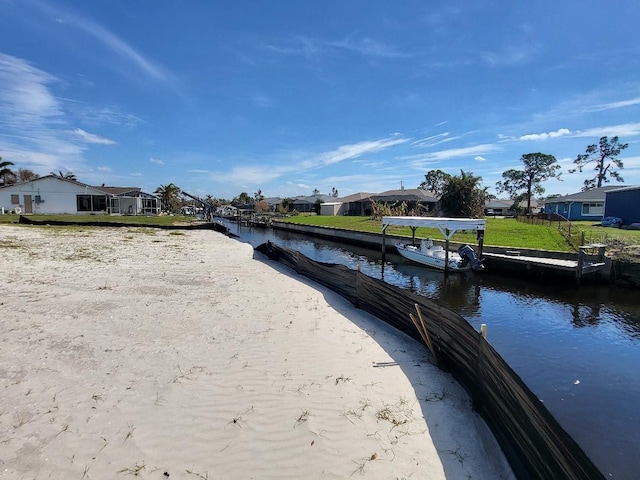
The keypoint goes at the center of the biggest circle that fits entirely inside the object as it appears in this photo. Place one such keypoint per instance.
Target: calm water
(578, 349)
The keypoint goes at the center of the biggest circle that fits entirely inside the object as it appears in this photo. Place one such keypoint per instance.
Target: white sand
(178, 355)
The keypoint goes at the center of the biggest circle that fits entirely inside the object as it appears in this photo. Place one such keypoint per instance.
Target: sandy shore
(157, 354)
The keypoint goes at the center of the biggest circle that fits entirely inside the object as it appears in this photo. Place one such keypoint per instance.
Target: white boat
(426, 253)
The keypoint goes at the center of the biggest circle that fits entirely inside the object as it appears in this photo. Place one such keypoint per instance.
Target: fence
(572, 232)
(536, 446)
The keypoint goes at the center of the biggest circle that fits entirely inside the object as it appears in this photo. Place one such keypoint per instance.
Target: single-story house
(308, 204)
(416, 199)
(623, 203)
(586, 205)
(52, 194)
(361, 203)
(504, 207)
(498, 207)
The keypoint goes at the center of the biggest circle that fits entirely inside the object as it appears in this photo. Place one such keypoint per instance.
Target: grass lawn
(505, 232)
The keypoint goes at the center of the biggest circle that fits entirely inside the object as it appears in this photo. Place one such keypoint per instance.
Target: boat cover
(444, 224)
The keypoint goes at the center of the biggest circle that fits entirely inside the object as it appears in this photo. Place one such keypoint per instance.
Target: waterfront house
(52, 194)
(623, 203)
(308, 204)
(586, 205)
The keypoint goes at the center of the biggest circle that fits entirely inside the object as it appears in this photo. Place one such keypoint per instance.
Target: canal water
(577, 348)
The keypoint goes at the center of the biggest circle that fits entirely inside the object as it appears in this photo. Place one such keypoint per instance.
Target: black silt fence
(535, 444)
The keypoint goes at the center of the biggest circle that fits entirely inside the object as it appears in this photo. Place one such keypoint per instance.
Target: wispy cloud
(298, 46)
(309, 47)
(300, 163)
(624, 130)
(510, 56)
(434, 140)
(369, 47)
(463, 152)
(347, 152)
(480, 158)
(544, 136)
(107, 38)
(93, 138)
(613, 105)
(35, 130)
(156, 161)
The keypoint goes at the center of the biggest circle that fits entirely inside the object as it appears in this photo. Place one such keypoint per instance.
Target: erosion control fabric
(535, 444)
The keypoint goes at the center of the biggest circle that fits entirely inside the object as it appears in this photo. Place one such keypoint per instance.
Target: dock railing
(535, 444)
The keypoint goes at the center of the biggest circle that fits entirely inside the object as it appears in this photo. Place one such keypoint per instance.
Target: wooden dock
(590, 259)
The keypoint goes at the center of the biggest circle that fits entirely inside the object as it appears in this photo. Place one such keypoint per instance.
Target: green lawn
(505, 232)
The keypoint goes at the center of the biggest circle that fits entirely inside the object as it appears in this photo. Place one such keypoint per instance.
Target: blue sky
(291, 96)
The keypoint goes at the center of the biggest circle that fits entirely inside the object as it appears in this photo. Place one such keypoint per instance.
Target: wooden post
(446, 251)
(480, 243)
(483, 330)
(580, 265)
(424, 333)
(384, 243)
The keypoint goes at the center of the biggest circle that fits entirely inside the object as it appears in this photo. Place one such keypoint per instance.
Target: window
(91, 203)
(595, 209)
(15, 199)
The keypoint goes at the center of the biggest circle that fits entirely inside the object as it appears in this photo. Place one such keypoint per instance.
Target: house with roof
(586, 205)
(361, 203)
(623, 203)
(52, 194)
(308, 204)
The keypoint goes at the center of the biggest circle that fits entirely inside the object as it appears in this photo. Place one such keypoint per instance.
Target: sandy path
(137, 352)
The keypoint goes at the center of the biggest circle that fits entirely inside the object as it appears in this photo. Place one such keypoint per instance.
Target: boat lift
(447, 226)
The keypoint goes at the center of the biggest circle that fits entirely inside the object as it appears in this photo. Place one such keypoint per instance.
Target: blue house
(623, 203)
(587, 205)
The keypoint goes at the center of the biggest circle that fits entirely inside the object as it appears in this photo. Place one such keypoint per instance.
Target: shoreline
(135, 351)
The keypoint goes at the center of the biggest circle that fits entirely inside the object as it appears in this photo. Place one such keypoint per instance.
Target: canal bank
(589, 265)
(576, 348)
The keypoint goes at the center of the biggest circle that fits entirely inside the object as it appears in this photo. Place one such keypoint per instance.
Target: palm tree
(168, 196)
(6, 174)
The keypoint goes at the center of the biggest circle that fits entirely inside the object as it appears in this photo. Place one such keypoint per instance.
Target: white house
(54, 195)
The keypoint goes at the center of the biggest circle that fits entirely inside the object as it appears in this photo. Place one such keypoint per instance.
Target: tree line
(462, 196)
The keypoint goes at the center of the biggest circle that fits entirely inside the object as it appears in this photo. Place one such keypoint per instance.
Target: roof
(312, 199)
(593, 194)
(499, 203)
(117, 191)
(625, 189)
(355, 197)
(405, 194)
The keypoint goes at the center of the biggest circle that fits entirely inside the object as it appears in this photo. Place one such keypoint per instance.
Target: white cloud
(544, 136)
(93, 138)
(105, 169)
(480, 158)
(624, 130)
(156, 161)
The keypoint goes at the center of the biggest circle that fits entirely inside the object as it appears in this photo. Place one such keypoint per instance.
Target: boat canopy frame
(447, 226)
